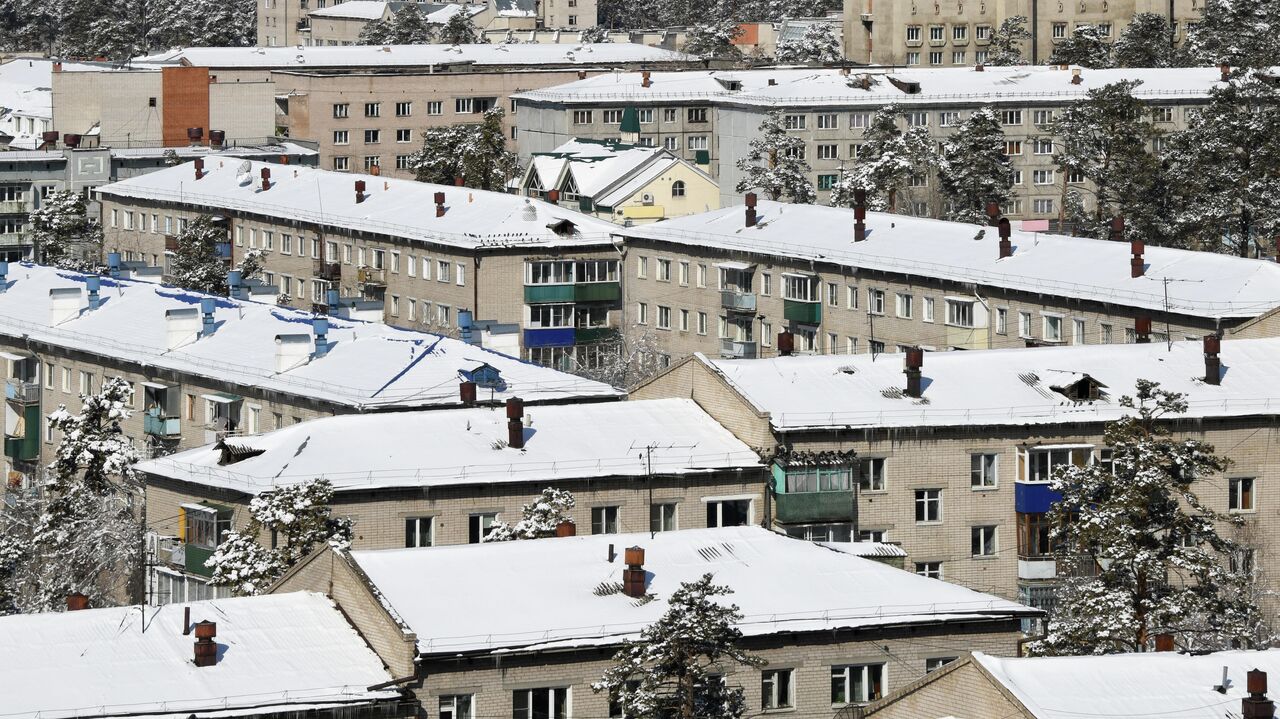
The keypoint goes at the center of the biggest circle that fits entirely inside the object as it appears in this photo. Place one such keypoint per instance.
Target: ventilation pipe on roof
(1225, 70)
(64, 304)
(633, 576)
(49, 140)
(772, 82)
(266, 179)
(218, 138)
(195, 135)
(515, 423)
(1076, 77)
(181, 326)
(320, 327)
(786, 344)
(233, 283)
(71, 140)
(76, 602)
(1164, 642)
(914, 364)
(582, 74)
(1257, 705)
(331, 301)
(553, 196)
(206, 650)
(1212, 363)
(465, 332)
(979, 68)
(645, 80)
(751, 209)
(859, 215)
(94, 286)
(993, 213)
(199, 163)
(1142, 328)
(439, 198)
(113, 264)
(291, 351)
(467, 393)
(459, 180)
(359, 191)
(1006, 245)
(566, 528)
(186, 621)
(375, 170)
(4, 276)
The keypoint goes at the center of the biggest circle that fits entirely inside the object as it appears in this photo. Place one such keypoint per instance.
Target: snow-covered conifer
(713, 39)
(459, 30)
(818, 44)
(406, 27)
(775, 165)
(973, 169)
(487, 163)
(196, 263)
(595, 34)
(1085, 47)
(1241, 33)
(539, 518)
(1146, 42)
(62, 234)
(1007, 42)
(887, 160)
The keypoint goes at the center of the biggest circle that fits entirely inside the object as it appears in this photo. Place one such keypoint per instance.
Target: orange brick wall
(184, 103)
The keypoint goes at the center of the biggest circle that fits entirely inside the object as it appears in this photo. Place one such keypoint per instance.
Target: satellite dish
(244, 173)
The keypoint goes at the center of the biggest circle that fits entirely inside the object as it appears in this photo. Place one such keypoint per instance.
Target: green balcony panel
(27, 446)
(814, 507)
(196, 556)
(809, 313)
(597, 292)
(541, 294)
(594, 335)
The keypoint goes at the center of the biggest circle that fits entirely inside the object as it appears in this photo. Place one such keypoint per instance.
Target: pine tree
(1162, 565)
(1085, 47)
(1007, 42)
(62, 234)
(298, 516)
(459, 30)
(83, 533)
(818, 44)
(1146, 42)
(973, 169)
(887, 160)
(774, 164)
(487, 163)
(440, 159)
(406, 27)
(1106, 138)
(1242, 33)
(595, 34)
(713, 40)
(674, 669)
(539, 518)
(196, 264)
(1225, 171)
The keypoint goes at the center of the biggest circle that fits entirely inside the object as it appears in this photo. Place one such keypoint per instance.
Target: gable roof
(1000, 387)
(1210, 285)
(565, 589)
(468, 446)
(607, 172)
(354, 10)
(279, 653)
(369, 365)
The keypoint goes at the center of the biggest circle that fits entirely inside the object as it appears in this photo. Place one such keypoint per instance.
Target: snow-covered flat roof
(473, 219)
(1207, 284)
(1001, 387)
(1154, 684)
(370, 365)
(564, 592)
(469, 446)
(279, 653)
(353, 9)
(338, 56)
(833, 88)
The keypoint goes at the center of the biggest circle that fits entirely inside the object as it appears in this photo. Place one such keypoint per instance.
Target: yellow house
(628, 184)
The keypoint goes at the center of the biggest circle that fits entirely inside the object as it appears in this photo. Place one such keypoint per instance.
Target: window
(809, 479)
(372, 109)
(702, 323)
(1059, 30)
(729, 513)
(875, 302)
(959, 313)
(1052, 328)
(913, 33)
(776, 689)
(794, 122)
(664, 318)
(664, 270)
(948, 119)
(1106, 337)
(833, 294)
(662, 517)
(404, 135)
(550, 316)
(697, 114)
(936, 33)
(702, 275)
(341, 164)
(828, 152)
(341, 137)
(1042, 117)
(677, 188)
(642, 313)
(205, 525)
(857, 683)
(372, 161)
(871, 474)
(671, 142)
(935, 58)
(800, 288)
(1024, 324)
(698, 142)
(404, 109)
(913, 58)
(928, 506)
(1240, 495)
(670, 114)
(540, 703)
(933, 664)
(611, 117)
(1042, 206)
(478, 526)
(905, 303)
(1042, 177)
(1162, 114)
(982, 32)
(86, 382)
(1104, 29)
(959, 33)
(456, 706)
(932, 570)
(435, 107)
(958, 57)
(982, 470)
(1043, 146)
(982, 541)
(582, 117)
(828, 121)
(918, 119)
(1013, 147)
(341, 110)
(645, 116)
(604, 520)
(417, 532)
(858, 120)
(1038, 465)
(980, 56)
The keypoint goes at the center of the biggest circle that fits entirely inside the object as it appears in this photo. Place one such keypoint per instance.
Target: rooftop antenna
(647, 456)
(1168, 337)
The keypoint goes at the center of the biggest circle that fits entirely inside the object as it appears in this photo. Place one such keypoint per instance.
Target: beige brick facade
(963, 690)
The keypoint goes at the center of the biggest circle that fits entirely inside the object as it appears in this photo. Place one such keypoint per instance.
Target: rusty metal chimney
(439, 198)
(553, 196)
(993, 213)
(467, 393)
(186, 621)
(515, 423)
(1006, 245)
(1142, 328)
(1256, 705)
(206, 650)
(1137, 267)
(1164, 642)
(633, 583)
(1225, 70)
(751, 209)
(786, 344)
(1076, 79)
(1212, 363)
(914, 362)
(77, 601)
(199, 168)
(266, 179)
(359, 191)
(859, 215)
(645, 80)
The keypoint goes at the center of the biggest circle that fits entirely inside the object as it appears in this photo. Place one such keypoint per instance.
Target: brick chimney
(1164, 643)
(633, 583)
(566, 528)
(553, 196)
(206, 650)
(979, 68)
(859, 215)
(467, 393)
(77, 601)
(195, 135)
(439, 198)
(199, 168)
(993, 213)
(71, 140)
(359, 191)
(1225, 70)
(914, 362)
(645, 80)
(1137, 267)
(1142, 328)
(1257, 705)
(1006, 245)
(266, 179)
(786, 344)
(515, 423)
(459, 181)
(1076, 78)
(751, 209)
(1212, 363)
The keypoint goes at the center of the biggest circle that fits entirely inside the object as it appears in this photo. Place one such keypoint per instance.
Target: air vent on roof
(1084, 389)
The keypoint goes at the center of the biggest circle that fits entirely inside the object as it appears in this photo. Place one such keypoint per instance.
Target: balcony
(594, 335)
(223, 249)
(736, 301)
(14, 207)
(372, 277)
(194, 557)
(24, 446)
(170, 243)
(164, 427)
(813, 507)
(737, 349)
(806, 313)
(15, 390)
(597, 292)
(549, 337)
(331, 271)
(543, 294)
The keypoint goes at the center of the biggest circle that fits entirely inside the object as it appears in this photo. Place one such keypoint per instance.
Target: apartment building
(206, 368)
(548, 274)
(951, 456)
(895, 33)
(621, 182)
(424, 479)
(28, 176)
(26, 101)
(254, 657)
(836, 629)
(368, 106)
(727, 282)
(714, 115)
